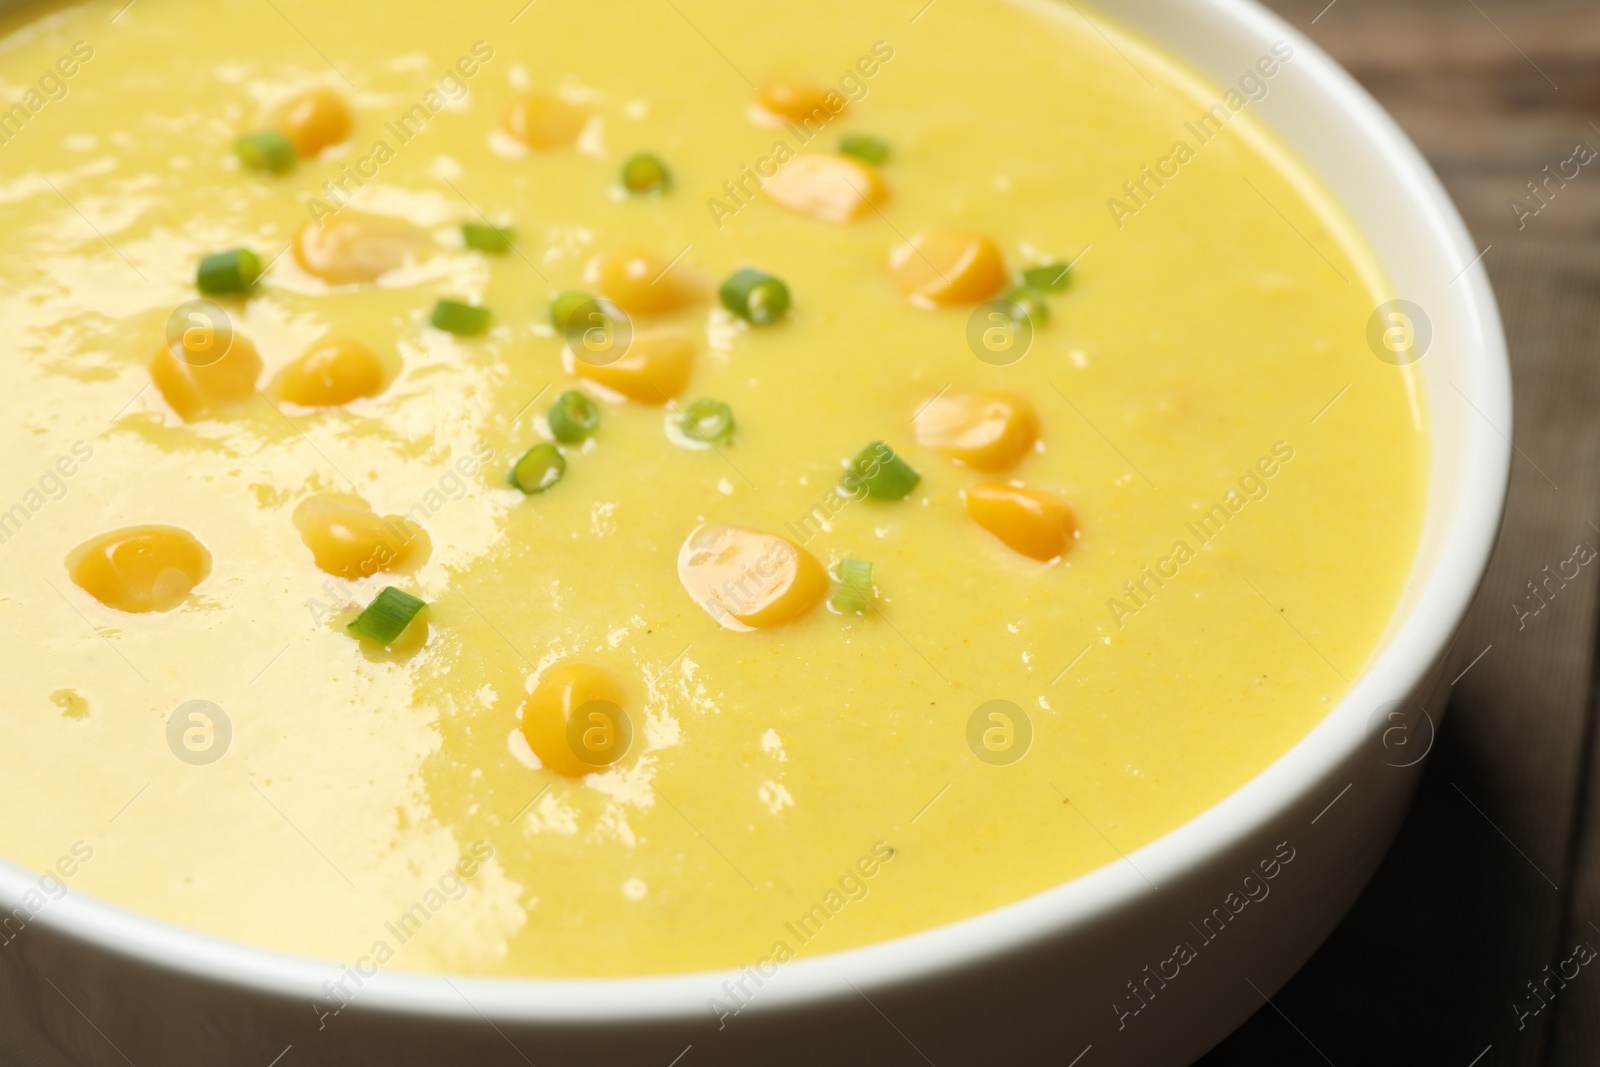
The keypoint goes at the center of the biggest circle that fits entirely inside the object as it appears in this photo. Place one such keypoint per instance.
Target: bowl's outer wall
(1042, 1005)
(1037, 982)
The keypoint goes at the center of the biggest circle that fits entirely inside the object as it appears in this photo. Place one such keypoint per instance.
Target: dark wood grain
(1496, 874)
(1491, 92)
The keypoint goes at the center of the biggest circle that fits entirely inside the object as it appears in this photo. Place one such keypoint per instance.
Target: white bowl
(1043, 980)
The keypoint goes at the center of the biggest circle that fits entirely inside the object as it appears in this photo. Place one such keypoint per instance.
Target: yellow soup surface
(1132, 530)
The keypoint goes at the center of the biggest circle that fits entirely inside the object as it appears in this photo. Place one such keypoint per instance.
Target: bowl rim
(1415, 643)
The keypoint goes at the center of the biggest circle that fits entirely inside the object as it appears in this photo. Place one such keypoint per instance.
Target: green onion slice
(879, 473)
(1047, 277)
(598, 332)
(562, 307)
(387, 616)
(708, 420)
(855, 587)
(485, 238)
(573, 417)
(228, 272)
(266, 150)
(538, 469)
(645, 173)
(452, 316)
(872, 150)
(1027, 304)
(755, 295)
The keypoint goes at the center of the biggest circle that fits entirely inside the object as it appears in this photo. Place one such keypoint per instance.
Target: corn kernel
(196, 384)
(987, 431)
(940, 268)
(644, 284)
(576, 719)
(1033, 522)
(348, 540)
(334, 374)
(827, 187)
(355, 249)
(545, 122)
(141, 568)
(314, 121)
(780, 102)
(749, 580)
(655, 368)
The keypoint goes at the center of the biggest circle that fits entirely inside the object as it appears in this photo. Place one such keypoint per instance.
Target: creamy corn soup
(612, 489)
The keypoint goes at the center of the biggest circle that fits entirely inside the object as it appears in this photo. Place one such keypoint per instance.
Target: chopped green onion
(597, 332)
(573, 417)
(1027, 304)
(562, 307)
(880, 473)
(756, 296)
(452, 316)
(228, 272)
(539, 468)
(484, 238)
(266, 150)
(708, 420)
(1047, 278)
(855, 587)
(386, 618)
(872, 150)
(645, 173)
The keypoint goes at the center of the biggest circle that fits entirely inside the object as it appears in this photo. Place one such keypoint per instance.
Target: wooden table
(1455, 953)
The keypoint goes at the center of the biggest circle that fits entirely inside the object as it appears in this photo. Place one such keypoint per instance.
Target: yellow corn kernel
(348, 540)
(780, 102)
(939, 268)
(141, 568)
(543, 122)
(195, 388)
(576, 719)
(353, 249)
(314, 121)
(655, 368)
(642, 284)
(827, 187)
(987, 431)
(334, 374)
(1033, 522)
(747, 579)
